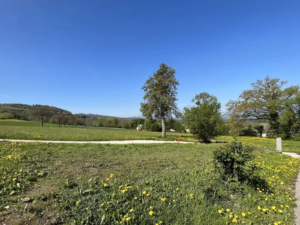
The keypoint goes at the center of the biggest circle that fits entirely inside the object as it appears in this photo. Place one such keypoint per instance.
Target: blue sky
(94, 56)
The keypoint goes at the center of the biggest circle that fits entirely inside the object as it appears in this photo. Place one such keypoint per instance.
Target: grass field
(12, 122)
(287, 146)
(11, 129)
(29, 130)
(138, 184)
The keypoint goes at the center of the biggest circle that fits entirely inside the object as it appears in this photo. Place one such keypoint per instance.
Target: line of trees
(267, 101)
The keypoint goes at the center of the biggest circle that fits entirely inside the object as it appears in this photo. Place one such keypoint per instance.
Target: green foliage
(175, 125)
(233, 161)
(249, 132)
(265, 101)
(6, 116)
(259, 129)
(223, 128)
(204, 119)
(136, 122)
(152, 125)
(160, 95)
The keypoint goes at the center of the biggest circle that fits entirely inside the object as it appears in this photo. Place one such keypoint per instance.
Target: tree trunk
(58, 124)
(163, 127)
(42, 122)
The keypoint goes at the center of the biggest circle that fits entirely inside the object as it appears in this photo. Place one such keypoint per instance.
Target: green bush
(248, 132)
(203, 120)
(6, 116)
(233, 161)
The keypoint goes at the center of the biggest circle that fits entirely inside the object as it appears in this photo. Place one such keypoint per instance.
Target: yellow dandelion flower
(234, 220)
(274, 207)
(220, 211)
(244, 214)
(151, 213)
(228, 210)
(77, 203)
(111, 175)
(128, 218)
(259, 208)
(144, 192)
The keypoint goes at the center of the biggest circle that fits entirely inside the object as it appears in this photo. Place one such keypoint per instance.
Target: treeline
(61, 117)
(275, 109)
(148, 124)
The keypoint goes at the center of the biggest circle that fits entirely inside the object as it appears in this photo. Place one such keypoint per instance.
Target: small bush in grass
(234, 161)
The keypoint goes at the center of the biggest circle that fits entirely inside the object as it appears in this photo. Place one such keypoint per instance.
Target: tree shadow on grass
(257, 182)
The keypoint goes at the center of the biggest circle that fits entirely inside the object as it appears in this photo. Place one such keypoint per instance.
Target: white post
(278, 145)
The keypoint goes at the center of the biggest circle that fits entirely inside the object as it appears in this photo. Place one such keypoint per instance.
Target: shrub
(248, 132)
(233, 161)
(6, 116)
(204, 119)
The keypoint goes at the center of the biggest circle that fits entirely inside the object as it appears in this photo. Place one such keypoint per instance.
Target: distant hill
(22, 111)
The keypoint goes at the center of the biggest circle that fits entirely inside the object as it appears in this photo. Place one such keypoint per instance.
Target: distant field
(24, 123)
(32, 131)
(15, 129)
(11, 122)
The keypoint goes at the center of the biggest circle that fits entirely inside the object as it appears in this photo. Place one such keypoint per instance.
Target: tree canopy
(266, 100)
(205, 118)
(160, 95)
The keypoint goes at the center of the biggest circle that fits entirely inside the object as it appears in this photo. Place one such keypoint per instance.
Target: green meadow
(32, 131)
(16, 129)
(139, 184)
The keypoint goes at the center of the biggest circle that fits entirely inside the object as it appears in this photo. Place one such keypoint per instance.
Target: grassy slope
(176, 182)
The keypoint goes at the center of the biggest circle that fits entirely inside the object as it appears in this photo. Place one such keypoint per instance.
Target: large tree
(160, 97)
(204, 119)
(266, 101)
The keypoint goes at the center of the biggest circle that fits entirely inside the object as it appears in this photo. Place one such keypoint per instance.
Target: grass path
(297, 190)
(99, 142)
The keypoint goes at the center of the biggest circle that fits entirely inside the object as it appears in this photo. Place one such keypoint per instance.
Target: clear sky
(93, 56)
